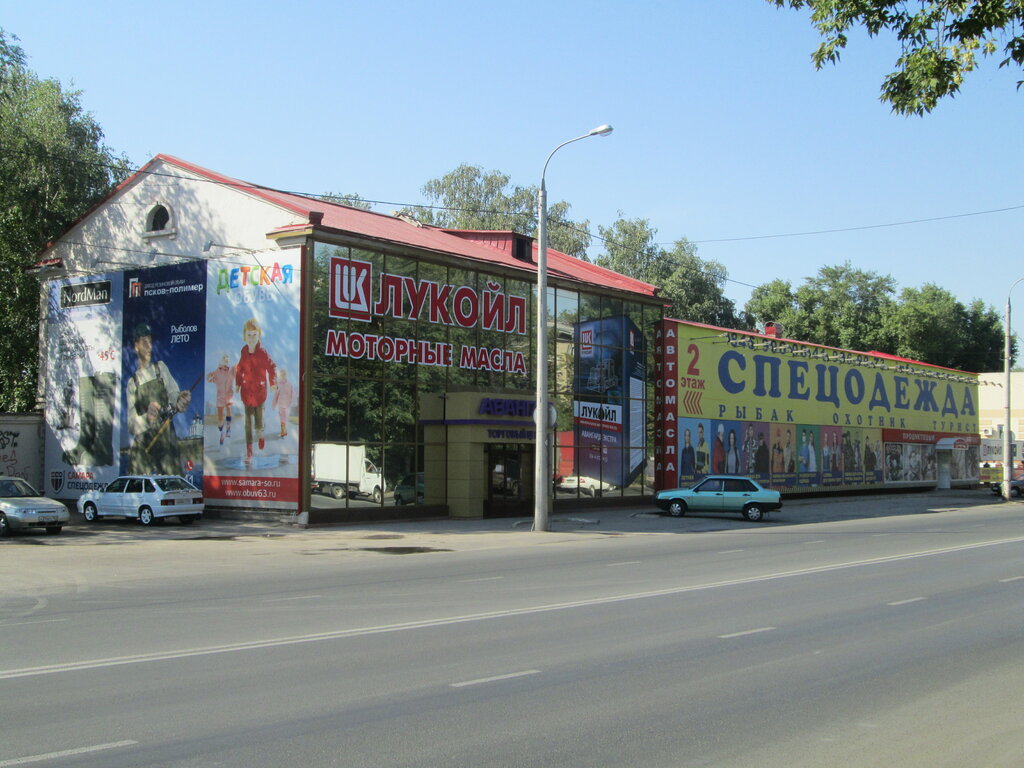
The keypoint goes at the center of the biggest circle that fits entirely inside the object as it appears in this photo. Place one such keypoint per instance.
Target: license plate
(183, 501)
(48, 518)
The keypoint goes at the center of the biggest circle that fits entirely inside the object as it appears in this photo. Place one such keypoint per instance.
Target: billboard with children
(800, 416)
(252, 371)
(186, 369)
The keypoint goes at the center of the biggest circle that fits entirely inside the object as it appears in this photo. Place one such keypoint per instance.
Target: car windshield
(173, 484)
(13, 487)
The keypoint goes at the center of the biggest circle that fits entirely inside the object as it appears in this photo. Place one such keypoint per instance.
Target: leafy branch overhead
(940, 39)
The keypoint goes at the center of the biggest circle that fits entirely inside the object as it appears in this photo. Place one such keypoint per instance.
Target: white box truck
(340, 469)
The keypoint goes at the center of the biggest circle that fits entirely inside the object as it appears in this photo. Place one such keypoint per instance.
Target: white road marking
(731, 551)
(904, 602)
(819, 541)
(1012, 578)
(278, 642)
(746, 632)
(624, 562)
(65, 753)
(494, 679)
(22, 623)
(485, 578)
(299, 597)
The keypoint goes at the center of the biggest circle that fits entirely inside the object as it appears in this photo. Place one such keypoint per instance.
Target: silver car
(22, 507)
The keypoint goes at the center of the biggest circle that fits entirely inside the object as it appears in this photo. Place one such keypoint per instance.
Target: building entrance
(509, 480)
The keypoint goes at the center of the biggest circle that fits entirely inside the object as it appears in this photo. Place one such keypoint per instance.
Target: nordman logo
(85, 294)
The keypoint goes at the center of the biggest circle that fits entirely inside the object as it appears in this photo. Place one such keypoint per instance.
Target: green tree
(839, 307)
(53, 167)
(932, 325)
(928, 325)
(470, 198)
(853, 309)
(352, 200)
(693, 287)
(940, 41)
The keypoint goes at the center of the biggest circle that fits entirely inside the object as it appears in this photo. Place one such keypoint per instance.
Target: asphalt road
(873, 640)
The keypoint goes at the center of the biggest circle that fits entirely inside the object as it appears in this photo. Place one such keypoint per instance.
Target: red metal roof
(819, 346)
(390, 229)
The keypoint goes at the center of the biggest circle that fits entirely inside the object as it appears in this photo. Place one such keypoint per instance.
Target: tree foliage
(470, 198)
(352, 200)
(940, 40)
(694, 287)
(53, 167)
(850, 308)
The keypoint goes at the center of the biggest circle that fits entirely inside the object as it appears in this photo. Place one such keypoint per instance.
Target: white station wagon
(150, 498)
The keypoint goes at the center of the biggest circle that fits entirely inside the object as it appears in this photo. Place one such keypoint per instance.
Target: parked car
(22, 506)
(1016, 486)
(588, 486)
(150, 498)
(721, 493)
(410, 489)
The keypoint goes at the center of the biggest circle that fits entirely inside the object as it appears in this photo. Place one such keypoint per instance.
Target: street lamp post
(1007, 453)
(542, 472)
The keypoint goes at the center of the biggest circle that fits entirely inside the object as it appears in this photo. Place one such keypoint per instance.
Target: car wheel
(1015, 492)
(338, 491)
(89, 513)
(753, 513)
(5, 527)
(146, 516)
(677, 507)
(53, 530)
(378, 496)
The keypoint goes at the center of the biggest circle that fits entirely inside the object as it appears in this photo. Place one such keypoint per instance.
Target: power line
(328, 198)
(862, 227)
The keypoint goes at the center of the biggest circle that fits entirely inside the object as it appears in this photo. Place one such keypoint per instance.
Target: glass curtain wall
(600, 372)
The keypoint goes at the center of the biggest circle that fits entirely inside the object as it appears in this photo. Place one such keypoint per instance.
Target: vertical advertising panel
(81, 388)
(164, 326)
(608, 399)
(250, 379)
(798, 416)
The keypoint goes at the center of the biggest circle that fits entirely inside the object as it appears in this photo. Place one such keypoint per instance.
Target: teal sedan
(721, 493)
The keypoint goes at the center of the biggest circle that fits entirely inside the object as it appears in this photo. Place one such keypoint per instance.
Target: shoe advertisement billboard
(187, 369)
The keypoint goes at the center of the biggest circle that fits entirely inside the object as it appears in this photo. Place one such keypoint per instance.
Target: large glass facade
(390, 332)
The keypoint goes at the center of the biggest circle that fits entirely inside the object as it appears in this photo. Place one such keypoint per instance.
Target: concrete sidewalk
(449, 534)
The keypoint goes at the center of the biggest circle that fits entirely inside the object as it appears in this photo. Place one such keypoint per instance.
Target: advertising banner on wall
(251, 376)
(164, 330)
(82, 386)
(609, 399)
(801, 416)
(188, 369)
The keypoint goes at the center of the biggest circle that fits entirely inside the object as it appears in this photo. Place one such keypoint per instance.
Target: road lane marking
(22, 623)
(65, 753)
(905, 602)
(1012, 578)
(279, 642)
(495, 678)
(485, 578)
(819, 541)
(298, 597)
(746, 632)
(624, 562)
(731, 551)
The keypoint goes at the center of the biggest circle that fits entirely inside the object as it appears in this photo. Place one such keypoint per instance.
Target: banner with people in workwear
(801, 416)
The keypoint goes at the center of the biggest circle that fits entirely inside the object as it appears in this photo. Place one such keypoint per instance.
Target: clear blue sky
(723, 128)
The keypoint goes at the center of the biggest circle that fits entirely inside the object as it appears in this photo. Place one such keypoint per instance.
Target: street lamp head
(601, 130)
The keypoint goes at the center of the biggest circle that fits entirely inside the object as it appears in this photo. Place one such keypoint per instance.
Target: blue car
(721, 493)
